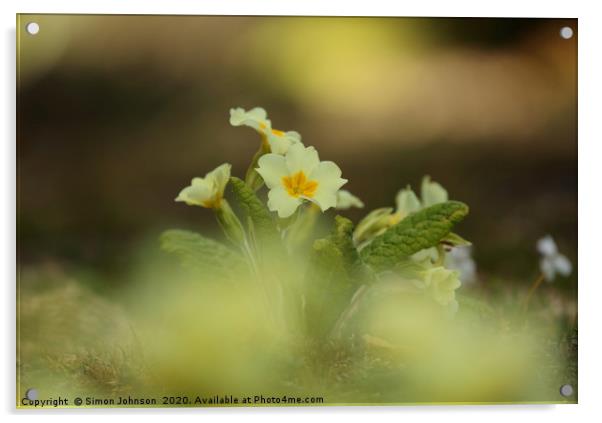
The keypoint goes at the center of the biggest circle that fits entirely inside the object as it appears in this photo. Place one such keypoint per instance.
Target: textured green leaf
(200, 252)
(420, 230)
(263, 225)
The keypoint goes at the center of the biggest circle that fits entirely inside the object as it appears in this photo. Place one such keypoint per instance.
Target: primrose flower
(441, 284)
(298, 176)
(257, 118)
(207, 192)
(346, 200)
(552, 261)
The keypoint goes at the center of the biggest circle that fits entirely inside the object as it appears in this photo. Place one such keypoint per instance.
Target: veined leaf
(263, 225)
(200, 252)
(420, 230)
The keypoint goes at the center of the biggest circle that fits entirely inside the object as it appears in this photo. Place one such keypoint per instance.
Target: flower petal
(294, 136)
(197, 193)
(272, 167)
(279, 144)
(253, 118)
(300, 158)
(432, 192)
(407, 202)
(280, 141)
(220, 177)
(280, 201)
(328, 177)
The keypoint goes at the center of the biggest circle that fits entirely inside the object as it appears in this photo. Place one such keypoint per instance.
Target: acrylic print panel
(296, 211)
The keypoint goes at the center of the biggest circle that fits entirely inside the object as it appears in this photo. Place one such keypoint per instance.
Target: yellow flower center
(276, 132)
(298, 185)
(212, 203)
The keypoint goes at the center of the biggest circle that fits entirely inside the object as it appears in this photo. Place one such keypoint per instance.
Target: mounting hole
(566, 390)
(31, 394)
(32, 28)
(566, 32)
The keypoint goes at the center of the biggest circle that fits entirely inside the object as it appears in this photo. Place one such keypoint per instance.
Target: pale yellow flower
(299, 176)
(208, 191)
(432, 193)
(407, 202)
(257, 118)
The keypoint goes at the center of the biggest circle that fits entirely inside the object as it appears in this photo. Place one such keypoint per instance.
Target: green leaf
(420, 230)
(200, 252)
(261, 220)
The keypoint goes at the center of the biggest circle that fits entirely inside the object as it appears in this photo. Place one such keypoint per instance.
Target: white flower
(460, 259)
(552, 261)
(257, 118)
(208, 191)
(432, 193)
(298, 176)
(280, 141)
(346, 200)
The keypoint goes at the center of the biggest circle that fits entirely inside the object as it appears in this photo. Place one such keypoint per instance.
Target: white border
(550, 9)
(590, 213)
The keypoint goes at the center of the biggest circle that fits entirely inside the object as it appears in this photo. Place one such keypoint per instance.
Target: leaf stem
(532, 290)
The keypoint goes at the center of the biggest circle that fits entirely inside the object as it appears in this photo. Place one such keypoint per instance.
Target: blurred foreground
(180, 331)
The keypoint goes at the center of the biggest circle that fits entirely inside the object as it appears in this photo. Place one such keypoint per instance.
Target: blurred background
(117, 113)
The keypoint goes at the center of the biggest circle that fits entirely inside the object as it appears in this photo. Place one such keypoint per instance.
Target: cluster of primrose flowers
(300, 185)
(292, 172)
(409, 248)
